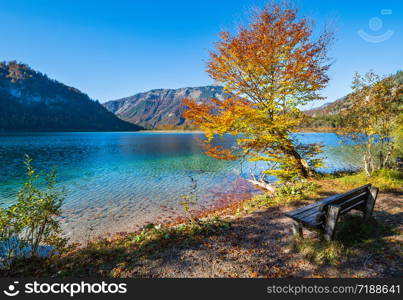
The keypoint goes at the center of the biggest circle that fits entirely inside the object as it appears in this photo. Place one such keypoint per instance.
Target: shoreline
(316, 130)
(301, 130)
(229, 209)
(85, 226)
(251, 239)
(171, 131)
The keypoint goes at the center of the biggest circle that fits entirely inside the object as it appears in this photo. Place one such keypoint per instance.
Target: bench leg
(370, 203)
(331, 220)
(297, 229)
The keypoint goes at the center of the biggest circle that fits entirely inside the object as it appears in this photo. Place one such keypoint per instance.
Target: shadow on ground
(256, 245)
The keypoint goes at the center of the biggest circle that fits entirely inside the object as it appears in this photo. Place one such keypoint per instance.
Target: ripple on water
(120, 181)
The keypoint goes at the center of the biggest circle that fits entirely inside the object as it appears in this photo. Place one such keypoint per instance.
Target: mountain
(335, 107)
(328, 115)
(161, 108)
(331, 108)
(30, 101)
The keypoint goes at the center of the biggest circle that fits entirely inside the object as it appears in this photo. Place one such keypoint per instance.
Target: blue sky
(112, 49)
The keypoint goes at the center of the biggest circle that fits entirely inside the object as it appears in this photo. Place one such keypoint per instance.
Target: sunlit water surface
(120, 181)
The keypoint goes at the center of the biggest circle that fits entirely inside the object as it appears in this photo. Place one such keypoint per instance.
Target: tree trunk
(387, 156)
(301, 163)
(368, 161)
(368, 165)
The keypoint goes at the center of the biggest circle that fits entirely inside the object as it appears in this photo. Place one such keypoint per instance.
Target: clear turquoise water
(119, 181)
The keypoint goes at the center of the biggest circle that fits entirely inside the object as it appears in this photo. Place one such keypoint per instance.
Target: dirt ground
(258, 245)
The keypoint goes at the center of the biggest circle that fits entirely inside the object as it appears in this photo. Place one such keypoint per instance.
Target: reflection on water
(118, 181)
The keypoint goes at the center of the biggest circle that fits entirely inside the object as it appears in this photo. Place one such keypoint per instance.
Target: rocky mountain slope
(30, 101)
(161, 107)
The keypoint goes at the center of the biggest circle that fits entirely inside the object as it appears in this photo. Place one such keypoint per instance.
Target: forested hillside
(328, 115)
(30, 101)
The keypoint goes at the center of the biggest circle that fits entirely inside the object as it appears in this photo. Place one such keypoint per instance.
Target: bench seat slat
(308, 212)
(302, 209)
(326, 201)
(311, 222)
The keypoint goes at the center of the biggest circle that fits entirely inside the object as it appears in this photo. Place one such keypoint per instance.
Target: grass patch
(264, 201)
(352, 236)
(353, 232)
(319, 251)
(285, 194)
(385, 180)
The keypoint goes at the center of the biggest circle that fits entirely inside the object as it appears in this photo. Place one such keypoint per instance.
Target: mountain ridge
(31, 101)
(159, 108)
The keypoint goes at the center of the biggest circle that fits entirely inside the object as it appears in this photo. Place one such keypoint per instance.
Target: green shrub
(286, 193)
(295, 190)
(190, 199)
(31, 222)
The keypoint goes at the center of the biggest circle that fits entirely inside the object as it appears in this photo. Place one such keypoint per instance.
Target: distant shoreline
(319, 129)
(302, 130)
(172, 131)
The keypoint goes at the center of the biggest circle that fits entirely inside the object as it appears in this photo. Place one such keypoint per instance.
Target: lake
(118, 181)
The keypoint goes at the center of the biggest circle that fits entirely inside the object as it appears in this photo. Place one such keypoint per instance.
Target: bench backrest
(346, 201)
(315, 214)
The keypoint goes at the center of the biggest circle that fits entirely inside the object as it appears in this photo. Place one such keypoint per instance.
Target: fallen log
(267, 186)
(262, 183)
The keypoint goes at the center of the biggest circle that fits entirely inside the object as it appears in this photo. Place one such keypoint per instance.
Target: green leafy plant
(295, 190)
(190, 199)
(32, 221)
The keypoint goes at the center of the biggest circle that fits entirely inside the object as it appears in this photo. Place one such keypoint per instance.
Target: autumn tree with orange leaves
(269, 69)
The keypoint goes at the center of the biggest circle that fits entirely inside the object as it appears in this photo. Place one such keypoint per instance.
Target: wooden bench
(323, 215)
